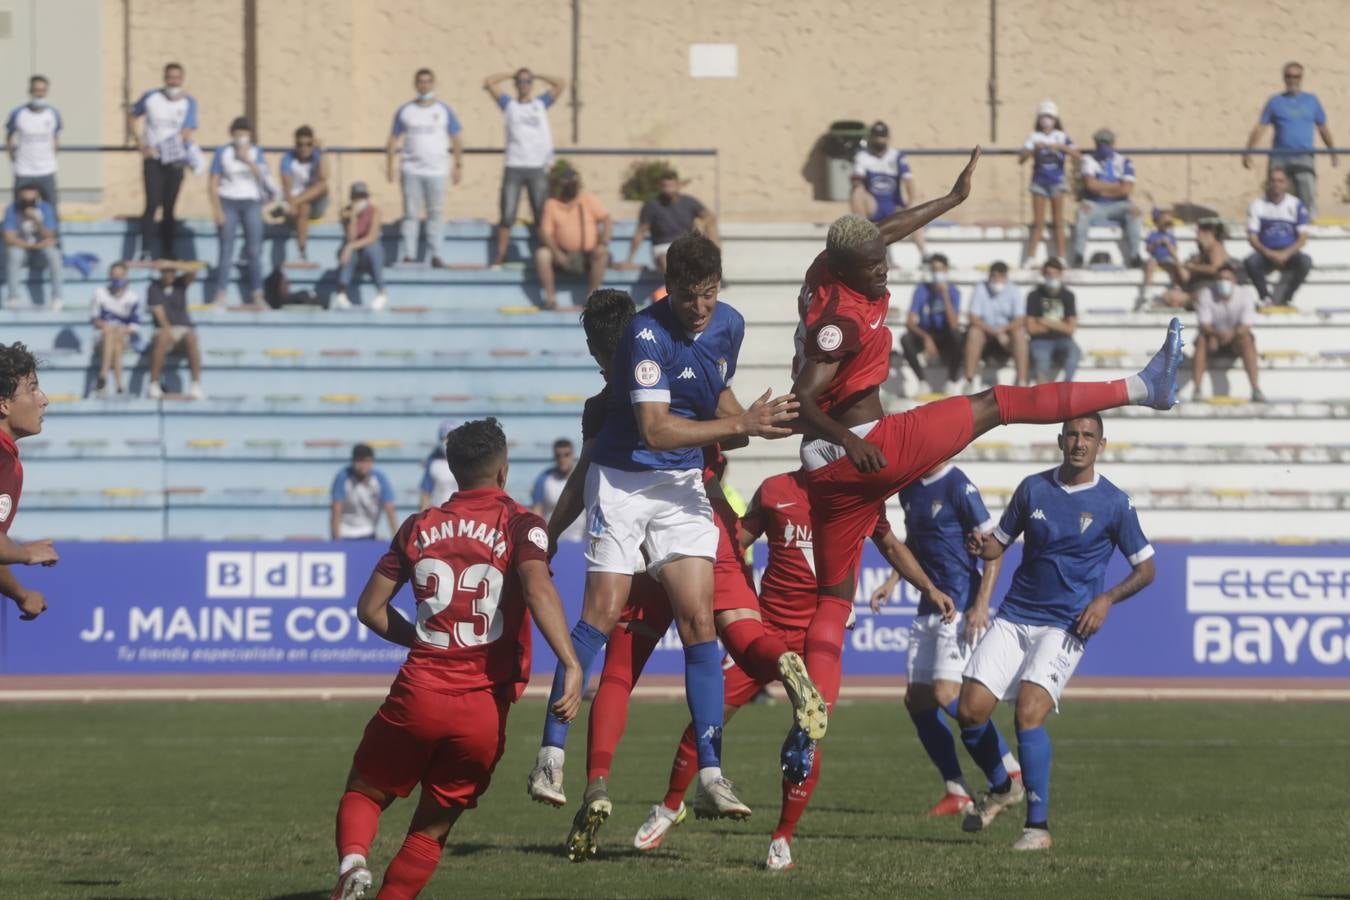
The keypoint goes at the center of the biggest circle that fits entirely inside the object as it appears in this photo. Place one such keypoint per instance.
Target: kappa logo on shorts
(646, 335)
(647, 373)
(1054, 676)
(829, 338)
(6, 507)
(539, 537)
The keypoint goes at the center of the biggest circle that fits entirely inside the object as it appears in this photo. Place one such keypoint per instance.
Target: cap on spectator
(1104, 136)
(359, 189)
(362, 451)
(1048, 108)
(879, 129)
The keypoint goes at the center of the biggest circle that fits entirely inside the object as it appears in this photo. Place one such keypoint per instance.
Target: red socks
(682, 771)
(625, 658)
(358, 818)
(753, 649)
(412, 868)
(825, 645)
(795, 798)
(1058, 402)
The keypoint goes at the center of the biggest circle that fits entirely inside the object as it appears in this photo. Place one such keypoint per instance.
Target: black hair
(937, 258)
(35, 79)
(423, 71)
(667, 174)
(1036, 123)
(562, 442)
(1227, 266)
(522, 71)
(605, 316)
(241, 123)
(1053, 262)
(474, 450)
(999, 267)
(1214, 227)
(173, 65)
(304, 131)
(362, 451)
(16, 364)
(693, 259)
(117, 263)
(1096, 417)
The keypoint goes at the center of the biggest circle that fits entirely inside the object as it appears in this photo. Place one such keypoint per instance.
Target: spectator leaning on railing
(32, 137)
(1052, 319)
(170, 120)
(424, 132)
(1293, 114)
(1226, 312)
(240, 183)
(667, 216)
(304, 186)
(1277, 229)
(360, 493)
(167, 301)
(933, 326)
(116, 314)
(529, 147)
(30, 227)
(1108, 181)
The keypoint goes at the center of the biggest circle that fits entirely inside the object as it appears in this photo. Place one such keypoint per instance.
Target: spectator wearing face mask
(933, 326)
(360, 247)
(240, 183)
(573, 237)
(529, 146)
(30, 229)
(667, 216)
(997, 330)
(1048, 146)
(1052, 319)
(1226, 312)
(170, 116)
(1108, 182)
(883, 182)
(424, 133)
(32, 134)
(116, 315)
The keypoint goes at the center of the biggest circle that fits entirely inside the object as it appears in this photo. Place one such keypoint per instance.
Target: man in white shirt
(998, 314)
(1226, 312)
(438, 482)
(1277, 229)
(170, 120)
(361, 493)
(882, 180)
(31, 139)
(529, 146)
(419, 138)
(549, 485)
(304, 185)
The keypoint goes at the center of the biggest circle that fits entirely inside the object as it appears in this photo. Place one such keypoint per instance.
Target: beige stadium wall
(1160, 73)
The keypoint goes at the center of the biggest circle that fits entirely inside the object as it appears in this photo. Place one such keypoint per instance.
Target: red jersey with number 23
(473, 630)
(781, 511)
(837, 324)
(11, 481)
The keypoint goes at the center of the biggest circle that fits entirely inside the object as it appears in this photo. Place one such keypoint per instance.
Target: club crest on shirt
(722, 367)
(6, 506)
(829, 338)
(936, 508)
(1084, 521)
(647, 373)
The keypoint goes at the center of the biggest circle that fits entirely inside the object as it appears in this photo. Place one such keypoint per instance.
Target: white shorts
(937, 652)
(1010, 654)
(665, 514)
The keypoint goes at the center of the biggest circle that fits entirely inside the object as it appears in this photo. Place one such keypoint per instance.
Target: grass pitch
(223, 800)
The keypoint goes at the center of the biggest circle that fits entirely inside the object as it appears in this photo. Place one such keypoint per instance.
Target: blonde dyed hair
(848, 234)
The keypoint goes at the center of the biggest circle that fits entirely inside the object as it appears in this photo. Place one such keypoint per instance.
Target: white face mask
(426, 95)
(996, 286)
(939, 278)
(1224, 288)
(358, 205)
(173, 92)
(1053, 284)
(1045, 123)
(242, 141)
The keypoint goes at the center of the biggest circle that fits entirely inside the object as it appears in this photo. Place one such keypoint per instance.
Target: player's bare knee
(944, 692)
(696, 627)
(919, 697)
(358, 784)
(1034, 704)
(975, 706)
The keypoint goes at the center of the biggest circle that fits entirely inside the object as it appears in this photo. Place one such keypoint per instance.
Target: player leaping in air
(856, 456)
(21, 406)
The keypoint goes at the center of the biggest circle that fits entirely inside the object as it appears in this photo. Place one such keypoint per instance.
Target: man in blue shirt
(1073, 520)
(1277, 229)
(670, 396)
(1108, 181)
(30, 228)
(1293, 114)
(933, 326)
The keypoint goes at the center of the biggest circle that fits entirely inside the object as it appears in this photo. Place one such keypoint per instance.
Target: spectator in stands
(1108, 181)
(438, 482)
(548, 488)
(116, 315)
(1160, 252)
(32, 139)
(1293, 114)
(997, 330)
(240, 183)
(1226, 312)
(1048, 146)
(529, 147)
(304, 185)
(360, 247)
(882, 180)
(667, 216)
(360, 493)
(1277, 229)
(419, 136)
(170, 120)
(933, 326)
(1199, 271)
(573, 236)
(30, 228)
(1052, 319)
(174, 331)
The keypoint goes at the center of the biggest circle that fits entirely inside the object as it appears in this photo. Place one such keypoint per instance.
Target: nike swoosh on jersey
(784, 505)
(875, 324)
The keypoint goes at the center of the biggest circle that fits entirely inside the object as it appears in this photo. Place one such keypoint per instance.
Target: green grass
(205, 800)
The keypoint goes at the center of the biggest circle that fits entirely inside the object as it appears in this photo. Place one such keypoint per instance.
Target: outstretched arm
(663, 430)
(901, 224)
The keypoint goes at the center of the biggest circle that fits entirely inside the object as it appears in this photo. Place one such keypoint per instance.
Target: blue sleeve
(503, 101)
(398, 127)
(537, 491)
(340, 486)
(1129, 536)
(643, 355)
(386, 489)
(12, 123)
(138, 109)
(286, 162)
(191, 120)
(1319, 114)
(970, 508)
(547, 99)
(1015, 516)
(902, 166)
(737, 338)
(49, 215)
(1127, 171)
(956, 301)
(1267, 114)
(451, 123)
(11, 222)
(217, 162)
(1302, 214)
(918, 298)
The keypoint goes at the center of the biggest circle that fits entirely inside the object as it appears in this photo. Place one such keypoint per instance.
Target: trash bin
(842, 141)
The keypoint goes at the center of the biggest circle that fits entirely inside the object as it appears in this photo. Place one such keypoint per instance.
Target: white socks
(706, 777)
(554, 755)
(1136, 389)
(959, 788)
(349, 862)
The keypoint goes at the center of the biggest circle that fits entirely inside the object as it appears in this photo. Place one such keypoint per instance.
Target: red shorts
(732, 586)
(845, 503)
(738, 687)
(449, 743)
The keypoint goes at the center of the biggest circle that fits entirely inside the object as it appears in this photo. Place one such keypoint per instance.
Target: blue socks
(588, 641)
(937, 740)
(1033, 749)
(983, 743)
(703, 691)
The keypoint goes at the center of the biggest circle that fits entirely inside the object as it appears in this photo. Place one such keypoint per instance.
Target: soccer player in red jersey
(780, 510)
(479, 570)
(21, 406)
(856, 456)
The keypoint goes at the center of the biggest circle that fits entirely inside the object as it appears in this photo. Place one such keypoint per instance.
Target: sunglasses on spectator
(1293, 76)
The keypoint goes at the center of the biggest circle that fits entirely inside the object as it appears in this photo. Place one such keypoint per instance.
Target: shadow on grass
(92, 882)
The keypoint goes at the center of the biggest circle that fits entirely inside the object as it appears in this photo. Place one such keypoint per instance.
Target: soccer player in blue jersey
(941, 508)
(1072, 519)
(670, 396)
